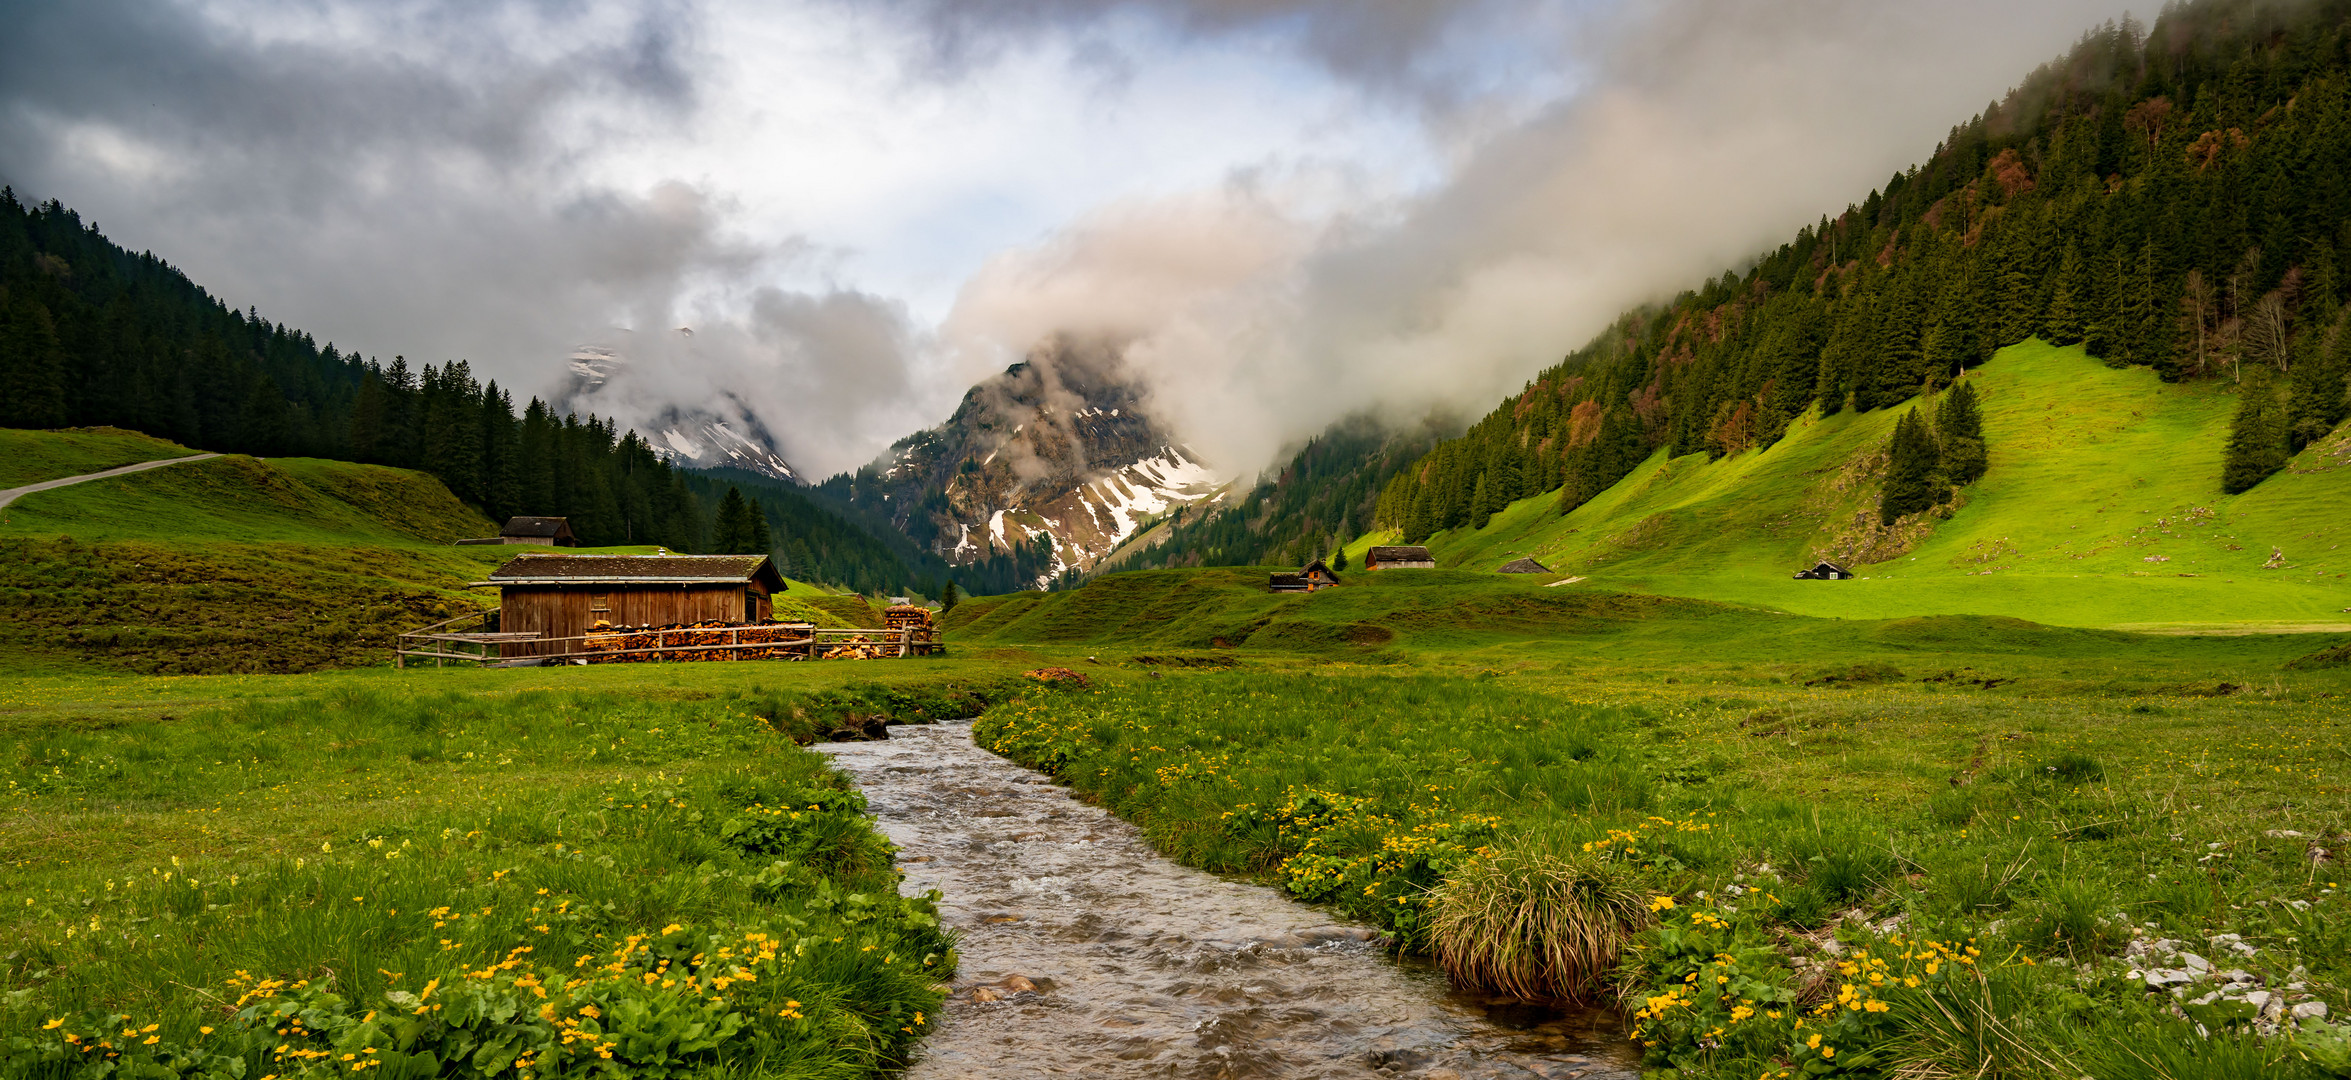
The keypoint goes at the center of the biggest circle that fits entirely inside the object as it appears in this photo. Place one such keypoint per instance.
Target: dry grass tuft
(1536, 920)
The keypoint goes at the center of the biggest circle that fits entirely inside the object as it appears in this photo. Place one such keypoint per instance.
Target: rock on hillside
(1058, 447)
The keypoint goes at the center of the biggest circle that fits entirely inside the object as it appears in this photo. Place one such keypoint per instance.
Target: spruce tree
(2319, 401)
(762, 540)
(1959, 427)
(949, 597)
(1911, 465)
(730, 533)
(1482, 501)
(2257, 435)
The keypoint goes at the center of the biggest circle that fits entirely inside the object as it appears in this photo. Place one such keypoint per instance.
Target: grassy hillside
(29, 457)
(2102, 508)
(229, 564)
(244, 498)
(1454, 617)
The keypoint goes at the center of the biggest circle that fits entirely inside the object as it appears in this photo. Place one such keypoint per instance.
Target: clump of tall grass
(1536, 919)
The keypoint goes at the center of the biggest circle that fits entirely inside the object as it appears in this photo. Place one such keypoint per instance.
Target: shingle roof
(1525, 566)
(1399, 553)
(1276, 581)
(536, 526)
(637, 570)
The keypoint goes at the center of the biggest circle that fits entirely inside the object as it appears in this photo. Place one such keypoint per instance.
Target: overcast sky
(1285, 210)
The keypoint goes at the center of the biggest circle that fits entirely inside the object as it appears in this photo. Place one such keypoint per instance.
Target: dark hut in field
(1317, 575)
(1524, 566)
(1824, 571)
(543, 531)
(1399, 557)
(566, 596)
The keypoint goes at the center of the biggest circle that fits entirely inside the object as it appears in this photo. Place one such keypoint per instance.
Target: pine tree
(2257, 435)
(1482, 501)
(949, 597)
(762, 539)
(2068, 321)
(1959, 428)
(731, 533)
(2319, 401)
(32, 368)
(1339, 559)
(1911, 464)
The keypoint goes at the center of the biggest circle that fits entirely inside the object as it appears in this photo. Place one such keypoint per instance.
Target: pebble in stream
(1086, 953)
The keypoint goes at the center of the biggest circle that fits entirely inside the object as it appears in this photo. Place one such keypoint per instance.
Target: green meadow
(2102, 508)
(221, 810)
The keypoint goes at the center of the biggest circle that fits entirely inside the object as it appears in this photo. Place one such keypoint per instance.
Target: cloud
(1704, 132)
(1283, 211)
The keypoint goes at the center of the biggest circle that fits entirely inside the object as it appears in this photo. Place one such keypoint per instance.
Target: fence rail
(782, 641)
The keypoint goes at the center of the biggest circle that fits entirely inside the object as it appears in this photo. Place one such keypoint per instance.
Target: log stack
(700, 641)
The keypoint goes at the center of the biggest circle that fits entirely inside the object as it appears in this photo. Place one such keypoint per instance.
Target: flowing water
(1086, 953)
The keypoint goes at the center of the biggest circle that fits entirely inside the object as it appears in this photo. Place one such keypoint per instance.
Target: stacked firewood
(860, 648)
(699, 641)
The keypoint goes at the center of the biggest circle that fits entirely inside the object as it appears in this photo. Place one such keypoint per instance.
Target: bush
(1536, 919)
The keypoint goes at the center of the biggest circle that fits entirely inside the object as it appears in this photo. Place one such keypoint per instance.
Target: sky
(839, 215)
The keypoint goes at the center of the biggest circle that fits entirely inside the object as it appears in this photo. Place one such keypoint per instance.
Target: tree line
(2177, 198)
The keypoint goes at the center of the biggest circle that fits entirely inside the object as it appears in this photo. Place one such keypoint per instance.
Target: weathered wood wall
(568, 611)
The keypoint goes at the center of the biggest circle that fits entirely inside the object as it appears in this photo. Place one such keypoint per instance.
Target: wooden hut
(1317, 575)
(542, 531)
(1824, 571)
(562, 597)
(1524, 566)
(1399, 557)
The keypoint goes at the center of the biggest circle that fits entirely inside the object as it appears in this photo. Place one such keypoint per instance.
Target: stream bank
(1086, 953)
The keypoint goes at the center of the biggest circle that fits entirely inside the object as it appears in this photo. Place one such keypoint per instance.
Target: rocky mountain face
(1057, 451)
(701, 438)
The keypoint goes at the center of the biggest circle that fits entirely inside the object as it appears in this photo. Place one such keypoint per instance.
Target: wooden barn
(1825, 571)
(1317, 575)
(542, 531)
(1399, 557)
(560, 598)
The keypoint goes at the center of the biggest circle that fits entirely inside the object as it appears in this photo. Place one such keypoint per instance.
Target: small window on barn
(750, 606)
(599, 602)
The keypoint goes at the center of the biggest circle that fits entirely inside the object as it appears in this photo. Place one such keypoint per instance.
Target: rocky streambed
(1085, 953)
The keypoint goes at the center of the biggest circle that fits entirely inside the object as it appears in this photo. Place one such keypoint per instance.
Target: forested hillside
(1327, 492)
(2176, 198)
(91, 334)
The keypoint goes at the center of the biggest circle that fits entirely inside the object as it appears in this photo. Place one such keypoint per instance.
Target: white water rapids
(1086, 953)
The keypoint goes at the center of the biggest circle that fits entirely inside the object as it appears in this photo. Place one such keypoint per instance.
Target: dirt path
(9, 495)
(1085, 953)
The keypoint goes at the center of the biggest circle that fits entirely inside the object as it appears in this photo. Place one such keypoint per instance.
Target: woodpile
(861, 648)
(699, 641)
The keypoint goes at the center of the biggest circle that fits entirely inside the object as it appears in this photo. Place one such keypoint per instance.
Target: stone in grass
(2161, 978)
(2311, 1010)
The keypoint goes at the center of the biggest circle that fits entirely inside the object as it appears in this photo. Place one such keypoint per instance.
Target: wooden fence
(452, 640)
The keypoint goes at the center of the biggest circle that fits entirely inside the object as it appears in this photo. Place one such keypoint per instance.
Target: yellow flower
(1662, 903)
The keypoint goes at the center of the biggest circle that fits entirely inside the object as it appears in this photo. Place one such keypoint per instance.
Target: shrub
(1536, 920)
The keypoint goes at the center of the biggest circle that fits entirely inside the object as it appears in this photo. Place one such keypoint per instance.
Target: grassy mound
(847, 610)
(192, 607)
(29, 457)
(247, 499)
(2102, 508)
(1229, 607)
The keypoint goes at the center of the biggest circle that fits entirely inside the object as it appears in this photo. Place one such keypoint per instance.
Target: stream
(1086, 953)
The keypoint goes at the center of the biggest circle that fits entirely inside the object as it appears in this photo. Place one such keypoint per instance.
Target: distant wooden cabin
(1317, 575)
(1824, 571)
(1399, 557)
(542, 531)
(1524, 566)
(565, 596)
